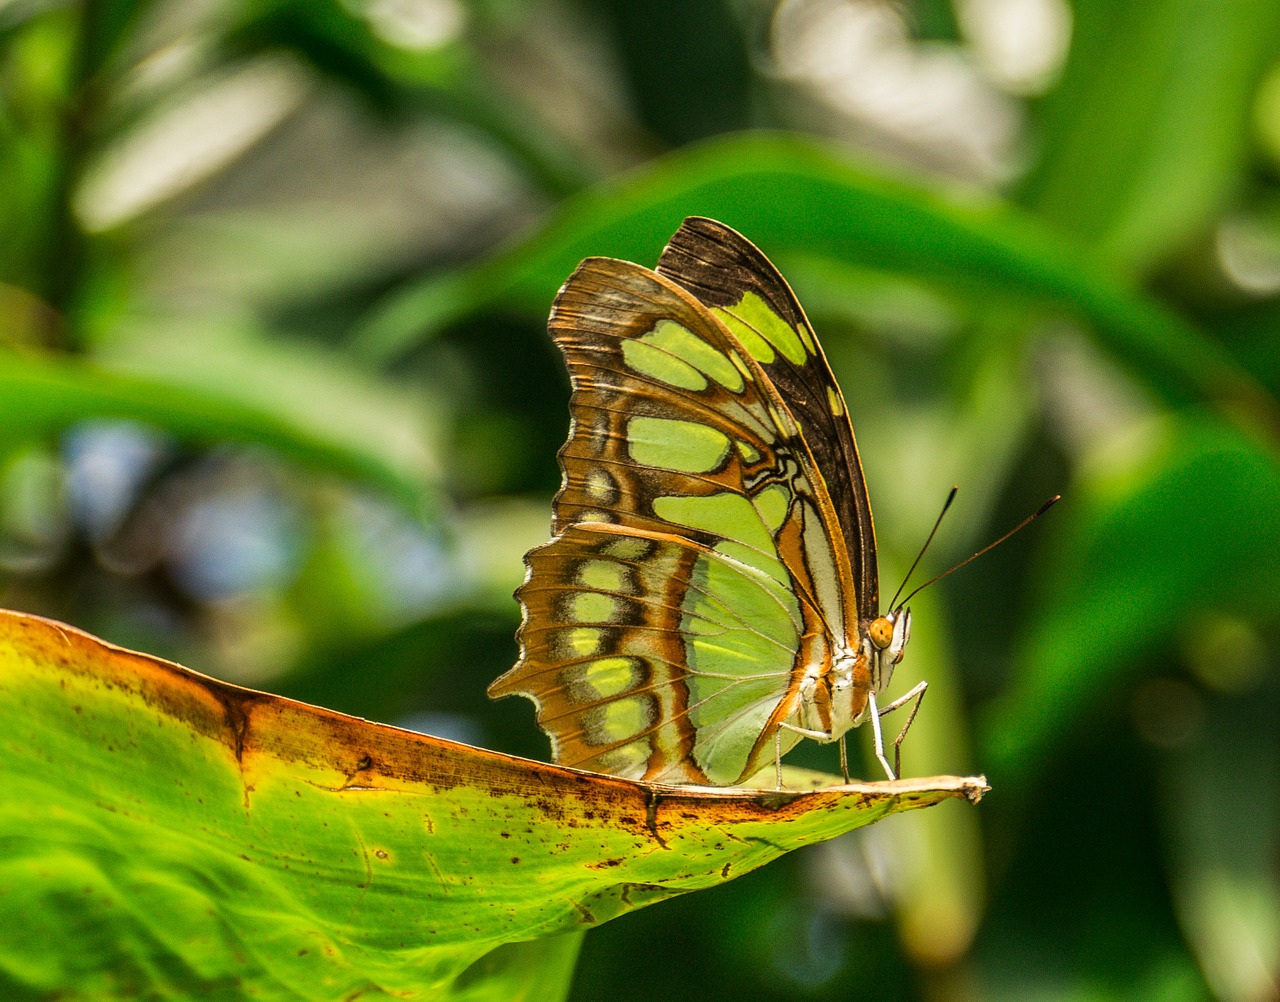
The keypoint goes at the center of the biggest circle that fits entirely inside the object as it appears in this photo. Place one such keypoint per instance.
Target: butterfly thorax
(833, 697)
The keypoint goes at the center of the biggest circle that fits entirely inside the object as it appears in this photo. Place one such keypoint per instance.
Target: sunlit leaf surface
(165, 833)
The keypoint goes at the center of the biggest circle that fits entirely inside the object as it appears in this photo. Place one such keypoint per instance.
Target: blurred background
(277, 402)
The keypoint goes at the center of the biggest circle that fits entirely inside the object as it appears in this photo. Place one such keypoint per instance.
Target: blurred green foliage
(276, 401)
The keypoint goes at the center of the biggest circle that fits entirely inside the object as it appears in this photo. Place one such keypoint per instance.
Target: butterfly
(710, 595)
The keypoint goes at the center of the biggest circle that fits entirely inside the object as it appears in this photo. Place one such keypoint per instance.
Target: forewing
(738, 284)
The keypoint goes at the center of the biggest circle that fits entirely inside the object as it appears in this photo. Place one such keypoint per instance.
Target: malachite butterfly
(710, 595)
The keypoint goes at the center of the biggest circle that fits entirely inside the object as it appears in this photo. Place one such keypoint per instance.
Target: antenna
(915, 563)
(990, 546)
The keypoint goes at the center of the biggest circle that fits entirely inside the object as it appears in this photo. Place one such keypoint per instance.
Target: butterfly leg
(777, 754)
(805, 732)
(917, 694)
(876, 733)
(844, 760)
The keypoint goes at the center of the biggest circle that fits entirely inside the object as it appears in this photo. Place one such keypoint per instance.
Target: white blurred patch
(190, 140)
(859, 58)
(1248, 252)
(405, 570)
(168, 67)
(418, 25)
(1090, 403)
(240, 536)
(459, 727)
(108, 463)
(856, 875)
(1020, 45)
(1233, 920)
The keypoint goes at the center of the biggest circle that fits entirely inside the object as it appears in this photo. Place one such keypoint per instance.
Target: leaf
(1144, 540)
(353, 46)
(539, 970)
(1147, 135)
(166, 834)
(1221, 859)
(790, 193)
(42, 395)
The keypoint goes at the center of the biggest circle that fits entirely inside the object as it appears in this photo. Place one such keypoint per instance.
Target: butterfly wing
(738, 284)
(672, 618)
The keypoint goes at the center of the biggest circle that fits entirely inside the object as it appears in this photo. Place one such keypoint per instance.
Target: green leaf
(343, 43)
(790, 193)
(539, 970)
(167, 835)
(1221, 859)
(42, 395)
(1186, 525)
(1148, 133)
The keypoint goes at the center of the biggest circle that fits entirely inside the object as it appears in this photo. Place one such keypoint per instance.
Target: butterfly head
(888, 635)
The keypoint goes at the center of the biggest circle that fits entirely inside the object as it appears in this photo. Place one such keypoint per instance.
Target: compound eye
(881, 632)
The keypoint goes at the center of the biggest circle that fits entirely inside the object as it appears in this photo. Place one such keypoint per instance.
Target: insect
(710, 595)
